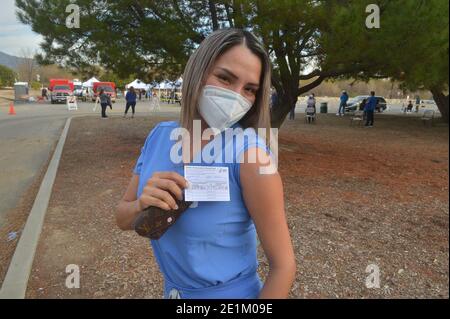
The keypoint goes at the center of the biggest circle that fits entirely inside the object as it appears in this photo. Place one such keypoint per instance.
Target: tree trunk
(442, 102)
(213, 11)
(281, 109)
(287, 98)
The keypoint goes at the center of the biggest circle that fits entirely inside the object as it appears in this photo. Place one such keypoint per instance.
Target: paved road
(25, 146)
(28, 138)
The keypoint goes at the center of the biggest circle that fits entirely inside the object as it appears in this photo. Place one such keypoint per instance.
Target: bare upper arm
(263, 196)
(131, 191)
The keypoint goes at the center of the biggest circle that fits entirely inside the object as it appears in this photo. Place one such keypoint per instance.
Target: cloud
(15, 36)
(8, 12)
(13, 44)
(8, 29)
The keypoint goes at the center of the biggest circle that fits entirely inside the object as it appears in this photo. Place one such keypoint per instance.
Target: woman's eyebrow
(235, 77)
(229, 73)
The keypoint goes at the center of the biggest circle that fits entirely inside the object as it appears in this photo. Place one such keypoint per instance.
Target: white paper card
(207, 184)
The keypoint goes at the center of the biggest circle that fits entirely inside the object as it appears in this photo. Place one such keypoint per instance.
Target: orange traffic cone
(11, 109)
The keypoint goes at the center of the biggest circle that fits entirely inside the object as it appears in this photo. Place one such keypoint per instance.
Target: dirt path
(354, 197)
(378, 199)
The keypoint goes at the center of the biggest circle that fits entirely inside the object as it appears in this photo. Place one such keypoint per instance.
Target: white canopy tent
(169, 91)
(137, 84)
(90, 83)
(179, 82)
(165, 85)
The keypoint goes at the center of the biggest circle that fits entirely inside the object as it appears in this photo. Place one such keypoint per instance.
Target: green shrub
(7, 76)
(36, 85)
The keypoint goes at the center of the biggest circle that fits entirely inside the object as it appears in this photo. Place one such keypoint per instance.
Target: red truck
(60, 89)
(108, 87)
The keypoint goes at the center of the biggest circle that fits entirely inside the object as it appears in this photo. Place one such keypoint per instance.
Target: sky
(15, 36)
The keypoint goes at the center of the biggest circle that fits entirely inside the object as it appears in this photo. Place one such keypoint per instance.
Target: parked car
(429, 104)
(358, 102)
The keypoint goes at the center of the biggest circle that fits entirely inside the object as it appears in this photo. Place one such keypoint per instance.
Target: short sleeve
(250, 139)
(138, 167)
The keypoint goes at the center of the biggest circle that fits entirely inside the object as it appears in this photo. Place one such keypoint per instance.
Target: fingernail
(176, 206)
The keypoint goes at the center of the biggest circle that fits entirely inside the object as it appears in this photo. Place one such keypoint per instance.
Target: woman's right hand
(159, 189)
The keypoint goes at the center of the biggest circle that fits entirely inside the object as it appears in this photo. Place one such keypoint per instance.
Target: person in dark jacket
(44, 93)
(369, 109)
(409, 107)
(342, 104)
(130, 97)
(417, 103)
(105, 101)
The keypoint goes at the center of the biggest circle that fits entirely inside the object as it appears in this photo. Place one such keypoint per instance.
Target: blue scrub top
(213, 244)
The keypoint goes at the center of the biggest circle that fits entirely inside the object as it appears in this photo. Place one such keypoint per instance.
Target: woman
(105, 101)
(211, 250)
(130, 97)
(311, 108)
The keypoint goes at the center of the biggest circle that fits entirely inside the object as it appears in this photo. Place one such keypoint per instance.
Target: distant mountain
(10, 61)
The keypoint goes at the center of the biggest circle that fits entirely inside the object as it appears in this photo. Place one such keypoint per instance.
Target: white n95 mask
(222, 108)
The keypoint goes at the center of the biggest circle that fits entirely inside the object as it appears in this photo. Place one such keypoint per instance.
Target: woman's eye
(223, 78)
(251, 91)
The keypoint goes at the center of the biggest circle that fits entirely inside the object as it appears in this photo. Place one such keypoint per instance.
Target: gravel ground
(354, 197)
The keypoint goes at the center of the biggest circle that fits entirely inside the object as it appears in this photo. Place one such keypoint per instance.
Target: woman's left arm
(263, 196)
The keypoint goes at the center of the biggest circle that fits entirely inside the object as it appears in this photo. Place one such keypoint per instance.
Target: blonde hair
(200, 64)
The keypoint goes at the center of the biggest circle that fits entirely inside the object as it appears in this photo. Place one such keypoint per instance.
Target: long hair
(200, 64)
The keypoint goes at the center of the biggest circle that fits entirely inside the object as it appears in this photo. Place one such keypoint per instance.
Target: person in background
(105, 101)
(130, 97)
(44, 93)
(311, 108)
(417, 103)
(409, 107)
(172, 96)
(369, 109)
(86, 95)
(343, 103)
(362, 104)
